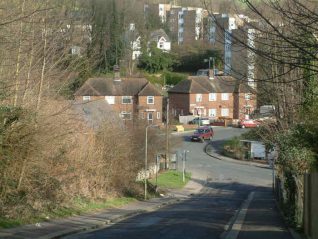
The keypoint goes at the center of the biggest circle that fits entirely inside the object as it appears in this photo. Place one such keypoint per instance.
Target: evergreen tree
(107, 37)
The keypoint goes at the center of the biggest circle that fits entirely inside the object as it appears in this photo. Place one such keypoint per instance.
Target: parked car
(202, 133)
(249, 123)
(200, 121)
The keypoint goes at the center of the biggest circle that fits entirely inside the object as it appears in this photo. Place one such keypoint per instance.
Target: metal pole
(273, 165)
(213, 66)
(167, 135)
(183, 166)
(146, 160)
(157, 162)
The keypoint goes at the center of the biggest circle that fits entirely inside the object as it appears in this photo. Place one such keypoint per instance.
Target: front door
(150, 117)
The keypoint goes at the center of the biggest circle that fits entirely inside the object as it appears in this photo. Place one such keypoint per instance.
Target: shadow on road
(202, 215)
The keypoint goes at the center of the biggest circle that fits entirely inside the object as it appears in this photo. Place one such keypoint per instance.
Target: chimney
(117, 73)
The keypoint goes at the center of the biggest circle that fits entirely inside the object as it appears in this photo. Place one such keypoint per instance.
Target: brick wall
(244, 103)
(218, 104)
(179, 103)
(156, 109)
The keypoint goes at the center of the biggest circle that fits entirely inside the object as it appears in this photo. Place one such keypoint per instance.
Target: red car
(202, 133)
(249, 123)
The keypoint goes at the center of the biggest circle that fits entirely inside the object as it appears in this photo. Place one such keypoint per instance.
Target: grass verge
(79, 206)
(171, 179)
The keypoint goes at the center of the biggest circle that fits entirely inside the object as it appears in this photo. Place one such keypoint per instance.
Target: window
(225, 112)
(212, 112)
(110, 99)
(225, 96)
(125, 115)
(86, 98)
(212, 97)
(247, 96)
(150, 100)
(126, 99)
(198, 98)
(158, 115)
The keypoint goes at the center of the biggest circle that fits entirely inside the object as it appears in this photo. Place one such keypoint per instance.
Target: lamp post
(146, 155)
(213, 61)
(183, 164)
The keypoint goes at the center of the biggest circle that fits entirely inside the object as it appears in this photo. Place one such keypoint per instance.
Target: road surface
(204, 215)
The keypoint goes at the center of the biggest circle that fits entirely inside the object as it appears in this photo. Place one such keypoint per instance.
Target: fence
(311, 205)
(298, 197)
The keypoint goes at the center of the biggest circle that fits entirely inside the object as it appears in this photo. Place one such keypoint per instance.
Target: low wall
(152, 170)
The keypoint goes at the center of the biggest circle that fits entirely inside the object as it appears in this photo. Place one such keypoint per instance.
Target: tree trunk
(17, 67)
(38, 104)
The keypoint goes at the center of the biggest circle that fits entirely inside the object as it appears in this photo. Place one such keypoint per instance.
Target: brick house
(220, 96)
(132, 98)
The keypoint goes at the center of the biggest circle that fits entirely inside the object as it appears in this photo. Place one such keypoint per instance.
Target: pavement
(257, 218)
(62, 227)
(211, 151)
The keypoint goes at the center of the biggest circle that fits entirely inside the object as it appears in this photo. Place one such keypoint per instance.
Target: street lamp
(146, 155)
(209, 60)
(183, 164)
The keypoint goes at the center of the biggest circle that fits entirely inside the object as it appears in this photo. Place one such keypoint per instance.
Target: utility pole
(167, 135)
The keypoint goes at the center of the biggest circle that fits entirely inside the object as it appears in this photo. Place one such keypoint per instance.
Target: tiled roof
(202, 84)
(109, 87)
(149, 89)
(158, 34)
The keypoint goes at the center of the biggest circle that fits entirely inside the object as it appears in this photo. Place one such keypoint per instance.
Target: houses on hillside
(132, 99)
(136, 99)
(220, 97)
(231, 34)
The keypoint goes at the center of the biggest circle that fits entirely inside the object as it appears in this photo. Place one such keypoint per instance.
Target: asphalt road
(205, 215)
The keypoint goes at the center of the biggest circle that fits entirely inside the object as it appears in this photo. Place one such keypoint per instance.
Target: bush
(49, 158)
(173, 78)
(233, 148)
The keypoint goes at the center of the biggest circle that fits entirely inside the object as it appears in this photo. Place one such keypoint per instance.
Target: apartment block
(158, 10)
(233, 36)
(185, 24)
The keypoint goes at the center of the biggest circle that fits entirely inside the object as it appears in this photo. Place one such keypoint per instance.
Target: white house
(162, 40)
(136, 48)
(159, 36)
